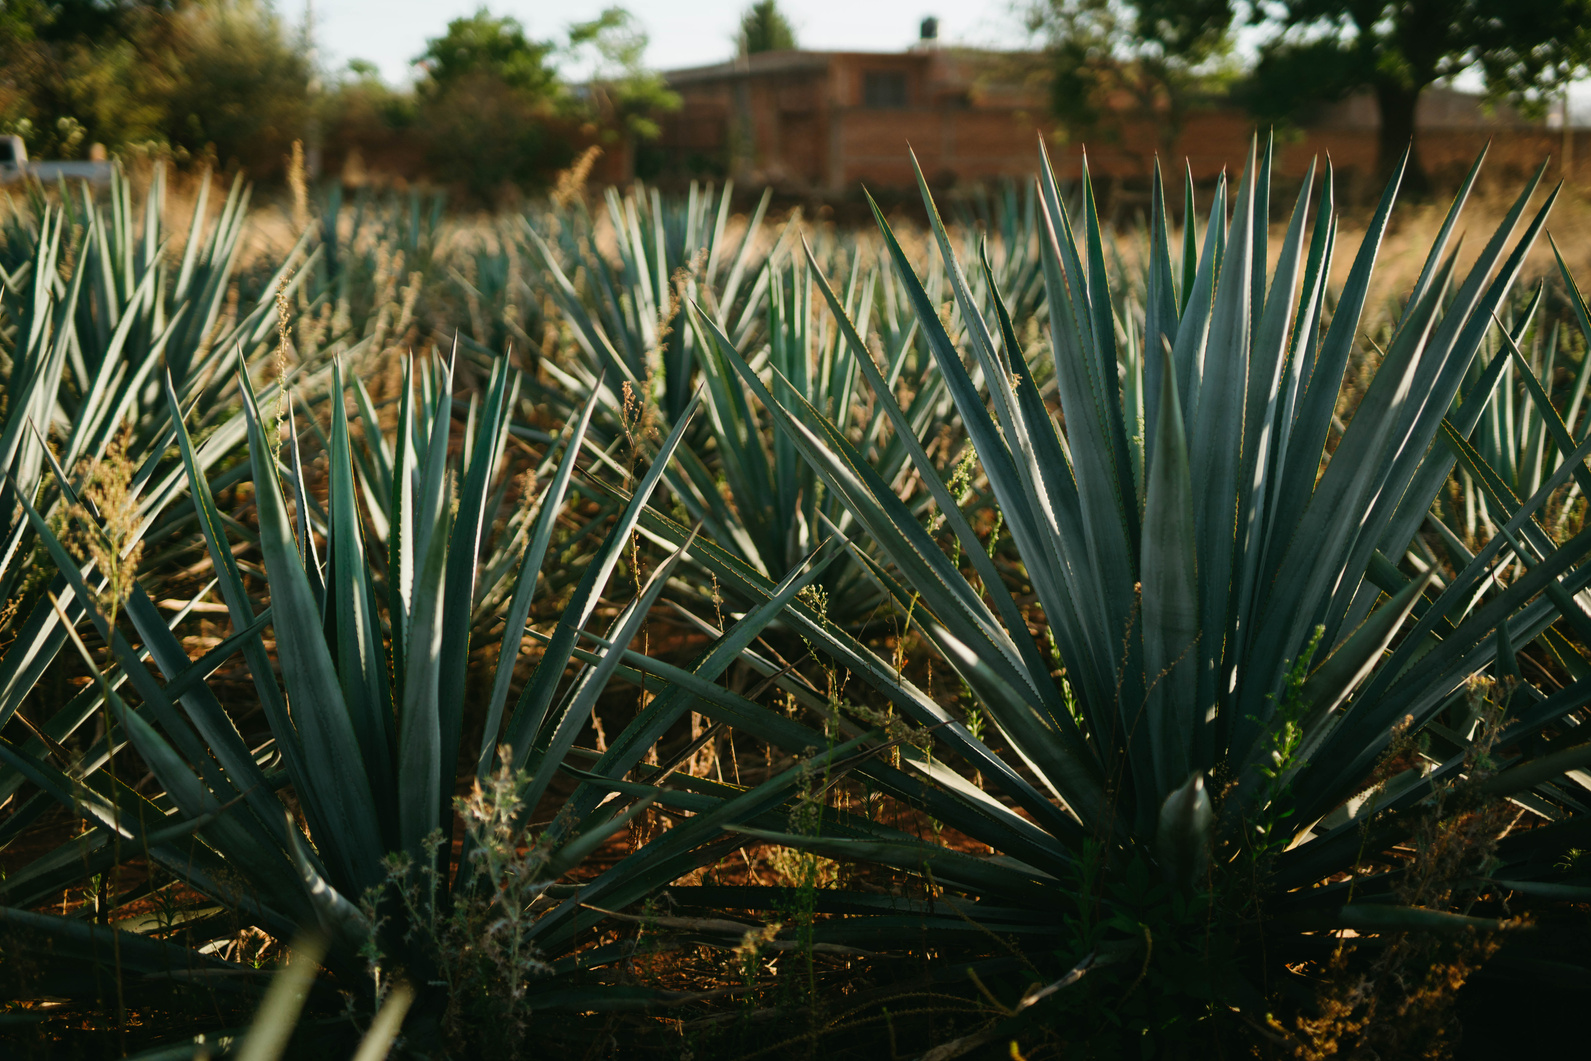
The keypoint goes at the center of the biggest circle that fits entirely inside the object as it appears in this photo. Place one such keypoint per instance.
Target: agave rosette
(1242, 619)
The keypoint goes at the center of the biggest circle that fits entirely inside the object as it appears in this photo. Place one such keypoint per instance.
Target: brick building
(823, 122)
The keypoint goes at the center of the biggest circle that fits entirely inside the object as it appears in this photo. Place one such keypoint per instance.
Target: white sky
(391, 33)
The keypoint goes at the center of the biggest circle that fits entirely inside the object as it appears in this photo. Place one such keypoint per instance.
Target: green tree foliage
(204, 76)
(235, 82)
(1159, 54)
(487, 106)
(623, 95)
(496, 113)
(66, 72)
(1323, 50)
(230, 79)
(484, 45)
(361, 112)
(764, 28)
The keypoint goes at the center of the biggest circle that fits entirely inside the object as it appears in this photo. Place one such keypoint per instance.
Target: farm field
(650, 623)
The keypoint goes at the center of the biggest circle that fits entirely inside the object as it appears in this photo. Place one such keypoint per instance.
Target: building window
(885, 89)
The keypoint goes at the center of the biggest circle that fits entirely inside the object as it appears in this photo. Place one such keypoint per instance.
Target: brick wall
(810, 133)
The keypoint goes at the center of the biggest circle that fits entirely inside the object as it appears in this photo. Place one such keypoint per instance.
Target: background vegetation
(230, 83)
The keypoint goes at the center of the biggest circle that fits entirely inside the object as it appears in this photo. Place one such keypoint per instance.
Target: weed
(480, 947)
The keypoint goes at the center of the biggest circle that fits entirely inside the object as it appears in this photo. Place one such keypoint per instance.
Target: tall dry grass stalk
(298, 183)
(571, 183)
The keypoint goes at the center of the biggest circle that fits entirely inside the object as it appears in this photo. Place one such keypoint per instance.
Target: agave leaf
(1263, 417)
(187, 687)
(1319, 399)
(1317, 557)
(1198, 294)
(1095, 550)
(1416, 690)
(1058, 490)
(525, 582)
(431, 492)
(982, 876)
(187, 791)
(997, 459)
(302, 506)
(241, 611)
(1182, 841)
(353, 625)
(1190, 240)
(534, 702)
(1554, 425)
(1215, 438)
(993, 815)
(893, 526)
(401, 545)
(906, 432)
(465, 536)
(339, 918)
(989, 818)
(1097, 284)
(45, 878)
(1171, 590)
(677, 851)
(1161, 309)
(859, 660)
(284, 999)
(1374, 917)
(330, 743)
(422, 755)
(565, 723)
(1301, 348)
(1335, 680)
(91, 945)
(1416, 470)
(192, 749)
(590, 839)
(628, 748)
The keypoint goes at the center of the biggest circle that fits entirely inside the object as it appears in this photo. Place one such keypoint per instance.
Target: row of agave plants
(1258, 668)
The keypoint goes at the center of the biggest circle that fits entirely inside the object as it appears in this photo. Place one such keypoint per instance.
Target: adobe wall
(970, 145)
(809, 134)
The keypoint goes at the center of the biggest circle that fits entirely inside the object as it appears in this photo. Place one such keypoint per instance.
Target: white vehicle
(15, 166)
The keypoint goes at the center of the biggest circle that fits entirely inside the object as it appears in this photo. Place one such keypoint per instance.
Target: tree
(622, 93)
(489, 106)
(763, 28)
(71, 72)
(484, 45)
(196, 75)
(233, 79)
(1159, 54)
(1323, 50)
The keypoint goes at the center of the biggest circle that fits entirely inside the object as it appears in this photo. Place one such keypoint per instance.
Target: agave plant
(1515, 444)
(1241, 617)
(374, 670)
(752, 493)
(88, 328)
(746, 486)
(625, 316)
(360, 280)
(1010, 221)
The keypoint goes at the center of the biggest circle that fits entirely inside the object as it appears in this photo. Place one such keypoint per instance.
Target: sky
(391, 33)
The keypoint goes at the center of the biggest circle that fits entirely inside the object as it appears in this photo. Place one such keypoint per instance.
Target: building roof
(782, 62)
(757, 63)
